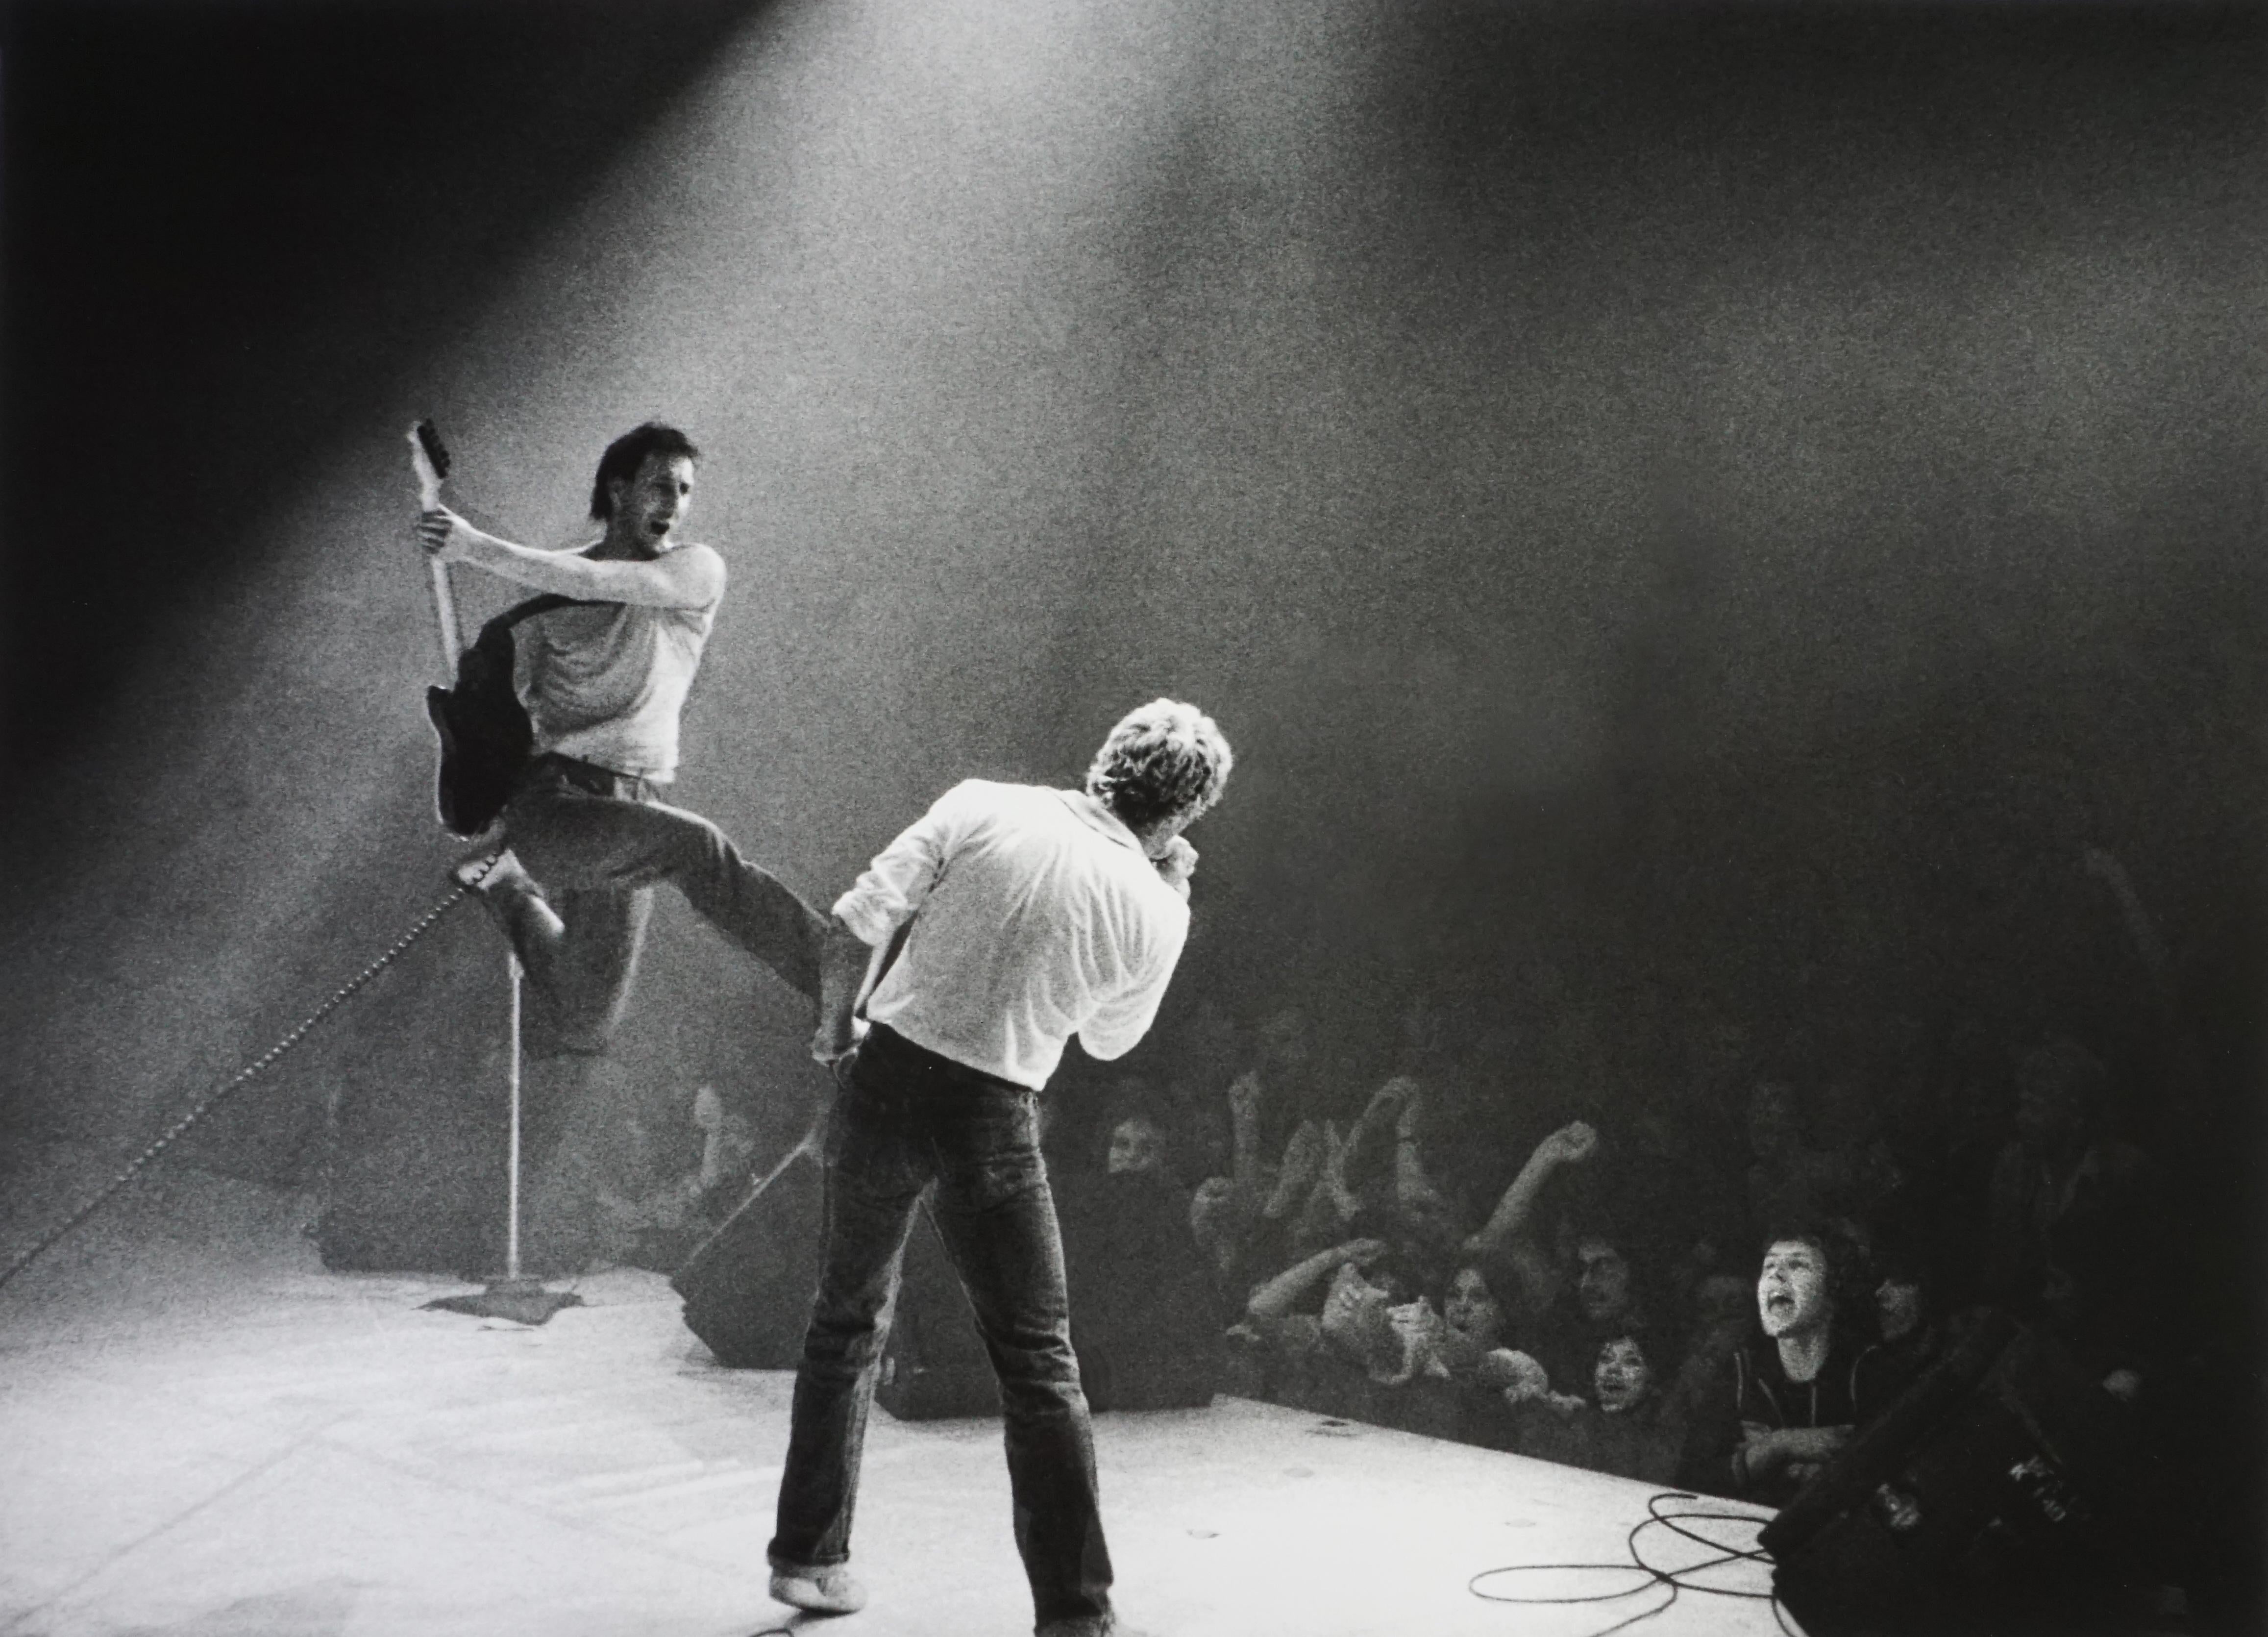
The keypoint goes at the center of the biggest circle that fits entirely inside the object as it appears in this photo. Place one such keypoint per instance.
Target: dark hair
(1847, 1260)
(1805, 1231)
(1636, 1335)
(1603, 1226)
(625, 457)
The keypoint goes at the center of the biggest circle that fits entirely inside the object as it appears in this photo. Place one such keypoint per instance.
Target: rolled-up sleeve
(1118, 1025)
(900, 878)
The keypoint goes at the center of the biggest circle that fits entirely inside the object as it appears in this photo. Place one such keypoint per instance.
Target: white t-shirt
(1040, 918)
(606, 682)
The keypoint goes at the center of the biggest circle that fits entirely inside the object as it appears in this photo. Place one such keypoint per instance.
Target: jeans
(598, 842)
(908, 1121)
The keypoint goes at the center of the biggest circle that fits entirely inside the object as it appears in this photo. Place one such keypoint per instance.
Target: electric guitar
(485, 737)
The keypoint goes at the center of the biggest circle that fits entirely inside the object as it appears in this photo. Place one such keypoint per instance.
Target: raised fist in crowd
(1571, 1145)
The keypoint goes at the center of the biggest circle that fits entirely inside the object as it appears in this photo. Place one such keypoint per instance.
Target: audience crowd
(1714, 1282)
(1715, 1286)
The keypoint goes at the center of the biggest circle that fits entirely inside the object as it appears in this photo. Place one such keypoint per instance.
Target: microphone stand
(513, 1295)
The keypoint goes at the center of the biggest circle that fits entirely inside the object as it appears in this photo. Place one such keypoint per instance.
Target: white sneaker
(830, 1590)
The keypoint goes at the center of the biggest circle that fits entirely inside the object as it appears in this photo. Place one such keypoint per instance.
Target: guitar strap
(485, 735)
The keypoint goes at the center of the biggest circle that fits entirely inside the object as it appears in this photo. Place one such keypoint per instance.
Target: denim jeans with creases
(908, 1120)
(598, 842)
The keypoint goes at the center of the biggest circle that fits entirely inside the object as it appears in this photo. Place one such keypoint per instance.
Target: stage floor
(205, 1434)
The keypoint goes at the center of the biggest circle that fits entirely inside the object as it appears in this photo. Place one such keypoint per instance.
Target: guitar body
(484, 728)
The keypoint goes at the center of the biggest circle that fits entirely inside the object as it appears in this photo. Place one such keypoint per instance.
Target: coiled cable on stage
(1677, 1579)
(244, 1077)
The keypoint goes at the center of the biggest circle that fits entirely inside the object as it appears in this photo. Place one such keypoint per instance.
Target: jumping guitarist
(604, 679)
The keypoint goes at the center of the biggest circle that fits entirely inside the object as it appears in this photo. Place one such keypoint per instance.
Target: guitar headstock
(430, 457)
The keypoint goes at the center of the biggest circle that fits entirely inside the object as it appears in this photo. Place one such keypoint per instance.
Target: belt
(884, 1045)
(588, 776)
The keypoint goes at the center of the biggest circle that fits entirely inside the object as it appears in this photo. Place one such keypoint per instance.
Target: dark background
(1693, 517)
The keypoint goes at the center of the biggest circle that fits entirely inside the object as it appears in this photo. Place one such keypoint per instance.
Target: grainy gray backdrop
(1690, 514)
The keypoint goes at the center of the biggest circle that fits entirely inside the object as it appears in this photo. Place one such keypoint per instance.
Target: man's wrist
(472, 545)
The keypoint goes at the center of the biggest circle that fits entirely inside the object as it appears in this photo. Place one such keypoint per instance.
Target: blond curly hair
(1164, 759)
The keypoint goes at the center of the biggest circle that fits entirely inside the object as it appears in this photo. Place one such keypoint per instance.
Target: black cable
(1670, 1520)
(1780, 1620)
(1677, 1579)
(245, 1076)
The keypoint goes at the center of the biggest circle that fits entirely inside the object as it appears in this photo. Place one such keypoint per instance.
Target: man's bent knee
(1044, 1374)
(844, 1347)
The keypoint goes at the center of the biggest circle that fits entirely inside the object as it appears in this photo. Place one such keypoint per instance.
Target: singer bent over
(1036, 913)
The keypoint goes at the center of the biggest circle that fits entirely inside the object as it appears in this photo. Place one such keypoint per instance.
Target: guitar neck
(424, 447)
(444, 615)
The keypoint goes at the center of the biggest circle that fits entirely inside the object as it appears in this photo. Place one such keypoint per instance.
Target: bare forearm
(1410, 1179)
(1512, 1212)
(1813, 1444)
(1764, 1453)
(1303, 1162)
(1280, 1294)
(1245, 1123)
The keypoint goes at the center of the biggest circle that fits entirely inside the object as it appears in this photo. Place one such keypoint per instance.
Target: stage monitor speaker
(1144, 1314)
(934, 1366)
(1144, 1320)
(2002, 1494)
(747, 1287)
(1147, 1338)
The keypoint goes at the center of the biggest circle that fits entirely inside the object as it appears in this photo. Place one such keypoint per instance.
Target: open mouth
(1780, 1301)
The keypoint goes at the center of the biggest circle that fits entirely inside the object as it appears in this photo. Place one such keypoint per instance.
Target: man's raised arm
(868, 916)
(689, 576)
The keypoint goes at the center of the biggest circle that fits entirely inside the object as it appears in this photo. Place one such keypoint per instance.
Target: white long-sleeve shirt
(606, 682)
(1040, 918)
